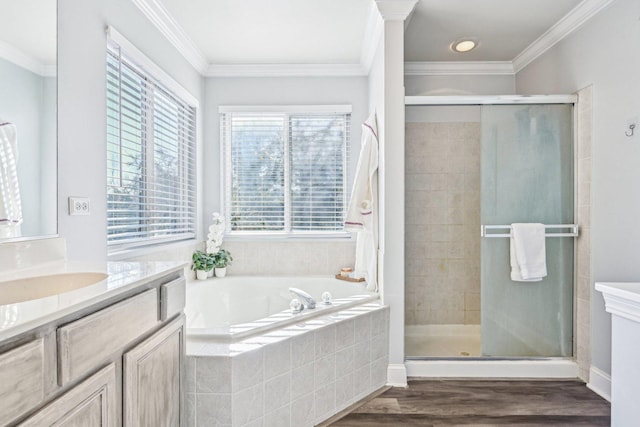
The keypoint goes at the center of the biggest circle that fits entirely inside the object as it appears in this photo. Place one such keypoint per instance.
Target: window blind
(151, 168)
(285, 173)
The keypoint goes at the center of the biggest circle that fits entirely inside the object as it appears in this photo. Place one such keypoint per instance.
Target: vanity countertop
(21, 317)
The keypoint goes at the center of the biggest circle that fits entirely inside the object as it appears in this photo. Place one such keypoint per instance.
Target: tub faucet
(307, 300)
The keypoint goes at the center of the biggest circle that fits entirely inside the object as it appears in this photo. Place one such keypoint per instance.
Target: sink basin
(30, 288)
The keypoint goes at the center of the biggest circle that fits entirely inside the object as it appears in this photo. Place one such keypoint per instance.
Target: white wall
(460, 85)
(318, 257)
(273, 91)
(604, 53)
(82, 107)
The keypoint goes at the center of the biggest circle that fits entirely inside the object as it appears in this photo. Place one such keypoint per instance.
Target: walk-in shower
(474, 167)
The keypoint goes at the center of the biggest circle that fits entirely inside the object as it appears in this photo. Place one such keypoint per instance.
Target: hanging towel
(362, 214)
(527, 252)
(10, 204)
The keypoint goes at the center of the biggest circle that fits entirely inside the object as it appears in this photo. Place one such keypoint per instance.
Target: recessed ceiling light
(464, 45)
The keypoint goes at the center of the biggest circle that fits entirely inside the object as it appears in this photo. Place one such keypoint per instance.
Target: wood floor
(483, 403)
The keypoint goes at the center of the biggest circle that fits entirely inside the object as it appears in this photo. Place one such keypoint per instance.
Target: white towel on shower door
(527, 252)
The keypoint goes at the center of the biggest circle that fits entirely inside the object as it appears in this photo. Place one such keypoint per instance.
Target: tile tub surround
(299, 375)
(442, 222)
(303, 258)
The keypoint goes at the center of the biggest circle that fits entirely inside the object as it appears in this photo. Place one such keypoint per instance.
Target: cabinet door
(153, 375)
(21, 380)
(91, 403)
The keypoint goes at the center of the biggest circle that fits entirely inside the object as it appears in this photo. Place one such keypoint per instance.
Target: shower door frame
(541, 367)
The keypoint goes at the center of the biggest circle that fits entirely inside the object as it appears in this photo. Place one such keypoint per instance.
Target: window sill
(311, 237)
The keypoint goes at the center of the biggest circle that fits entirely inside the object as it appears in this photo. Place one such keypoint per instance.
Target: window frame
(225, 173)
(167, 86)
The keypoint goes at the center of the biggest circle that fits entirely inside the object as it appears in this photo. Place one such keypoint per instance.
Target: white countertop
(621, 298)
(122, 277)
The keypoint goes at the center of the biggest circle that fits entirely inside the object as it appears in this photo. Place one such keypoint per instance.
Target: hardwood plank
(483, 403)
(394, 420)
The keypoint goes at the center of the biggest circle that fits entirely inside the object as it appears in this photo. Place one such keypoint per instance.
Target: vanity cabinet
(90, 403)
(20, 392)
(152, 379)
(117, 363)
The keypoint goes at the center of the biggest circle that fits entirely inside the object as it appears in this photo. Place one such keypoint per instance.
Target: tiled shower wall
(583, 243)
(442, 223)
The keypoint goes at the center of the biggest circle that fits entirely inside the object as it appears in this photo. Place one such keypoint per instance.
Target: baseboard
(397, 375)
(492, 368)
(600, 382)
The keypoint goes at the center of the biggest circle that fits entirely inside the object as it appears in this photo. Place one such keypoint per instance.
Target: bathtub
(250, 361)
(231, 308)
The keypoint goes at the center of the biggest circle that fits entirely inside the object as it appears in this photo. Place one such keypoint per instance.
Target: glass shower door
(527, 176)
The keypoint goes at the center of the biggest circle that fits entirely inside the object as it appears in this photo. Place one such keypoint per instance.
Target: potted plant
(221, 260)
(202, 264)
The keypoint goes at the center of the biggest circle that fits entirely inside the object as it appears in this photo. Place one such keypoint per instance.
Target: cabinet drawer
(90, 341)
(172, 297)
(21, 380)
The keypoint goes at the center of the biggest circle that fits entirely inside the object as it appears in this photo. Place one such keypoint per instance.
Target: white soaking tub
(250, 361)
(236, 307)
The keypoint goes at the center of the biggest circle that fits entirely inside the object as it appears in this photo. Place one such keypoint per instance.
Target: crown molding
(285, 70)
(468, 68)
(28, 62)
(167, 25)
(395, 10)
(561, 29)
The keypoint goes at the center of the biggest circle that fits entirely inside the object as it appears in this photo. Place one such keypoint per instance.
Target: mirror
(28, 119)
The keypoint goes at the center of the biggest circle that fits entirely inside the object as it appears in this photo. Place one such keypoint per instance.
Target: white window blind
(285, 173)
(151, 168)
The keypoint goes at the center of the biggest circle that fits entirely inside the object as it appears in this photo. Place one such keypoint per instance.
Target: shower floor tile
(442, 341)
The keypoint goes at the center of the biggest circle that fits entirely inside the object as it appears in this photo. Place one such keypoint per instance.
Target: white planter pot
(221, 272)
(201, 274)
(210, 273)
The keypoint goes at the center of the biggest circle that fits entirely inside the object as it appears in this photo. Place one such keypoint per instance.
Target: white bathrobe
(10, 204)
(362, 214)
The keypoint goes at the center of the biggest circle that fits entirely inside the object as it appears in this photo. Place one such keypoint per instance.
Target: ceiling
(310, 32)
(236, 32)
(29, 27)
(503, 28)
(274, 31)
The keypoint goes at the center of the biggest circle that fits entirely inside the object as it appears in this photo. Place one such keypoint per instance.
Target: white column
(391, 177)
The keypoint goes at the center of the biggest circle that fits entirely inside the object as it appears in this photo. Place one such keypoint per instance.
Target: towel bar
(572, 233)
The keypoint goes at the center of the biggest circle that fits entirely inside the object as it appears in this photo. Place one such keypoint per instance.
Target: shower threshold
(554, 367)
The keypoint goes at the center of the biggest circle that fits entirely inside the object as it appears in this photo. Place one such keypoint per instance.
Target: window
(285, 172)
(151, 144)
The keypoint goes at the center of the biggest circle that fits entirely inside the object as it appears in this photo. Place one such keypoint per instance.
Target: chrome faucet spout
(307, 300)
